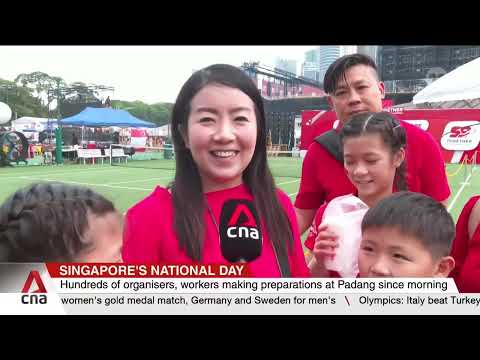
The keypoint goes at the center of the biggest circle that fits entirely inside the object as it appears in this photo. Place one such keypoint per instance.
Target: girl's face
(370, 166)
(105, 238)
(221, 135)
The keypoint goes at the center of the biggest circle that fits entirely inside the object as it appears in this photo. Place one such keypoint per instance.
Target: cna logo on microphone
(35, 294)
(240, 232)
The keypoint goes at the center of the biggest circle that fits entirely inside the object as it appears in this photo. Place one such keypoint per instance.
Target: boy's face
(386, 252)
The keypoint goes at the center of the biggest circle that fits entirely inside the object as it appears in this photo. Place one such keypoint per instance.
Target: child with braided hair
(374, 147)
(50, 222)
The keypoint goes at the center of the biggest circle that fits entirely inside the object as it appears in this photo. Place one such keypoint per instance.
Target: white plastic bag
(344, 216)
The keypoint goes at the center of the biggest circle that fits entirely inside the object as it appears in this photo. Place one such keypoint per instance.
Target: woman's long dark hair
(392, 133)
(187, 193)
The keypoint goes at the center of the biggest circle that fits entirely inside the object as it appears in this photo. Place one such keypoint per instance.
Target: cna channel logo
(36, 296)
(240, 232)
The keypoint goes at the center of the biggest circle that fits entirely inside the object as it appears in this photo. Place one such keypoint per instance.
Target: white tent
(461, 84)
(160, 131)
(31, 127)
(33, 123)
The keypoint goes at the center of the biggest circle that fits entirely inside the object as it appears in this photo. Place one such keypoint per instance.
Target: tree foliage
(158, 113)
(40, 83)
(32, 94)
(81, 92)
(21, 100)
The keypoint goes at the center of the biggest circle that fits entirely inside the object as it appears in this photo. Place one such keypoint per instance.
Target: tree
(81, 92)
(21, 100)
(40, 83)
(158, 113)
(31, 94)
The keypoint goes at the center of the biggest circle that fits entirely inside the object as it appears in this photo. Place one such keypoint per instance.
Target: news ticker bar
(240, 304)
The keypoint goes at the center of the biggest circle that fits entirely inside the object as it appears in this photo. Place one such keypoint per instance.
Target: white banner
(422, 124)
(461, 135)
(138, 141)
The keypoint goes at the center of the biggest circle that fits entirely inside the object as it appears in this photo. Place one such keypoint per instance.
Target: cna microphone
(240, 231)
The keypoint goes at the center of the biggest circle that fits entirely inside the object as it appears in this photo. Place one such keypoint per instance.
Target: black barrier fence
(281, 113)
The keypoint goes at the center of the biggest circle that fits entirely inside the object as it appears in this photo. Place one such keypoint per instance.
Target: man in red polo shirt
(353, 86)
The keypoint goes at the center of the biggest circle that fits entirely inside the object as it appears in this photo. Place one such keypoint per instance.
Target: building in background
(313, 55)
(286, 65)
(328, 54)
(311, 70)
(348, 49)
(311, 65)
(274, 83)
(408, 69)
(369, 50)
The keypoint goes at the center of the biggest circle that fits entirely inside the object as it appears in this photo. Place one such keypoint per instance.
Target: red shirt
(466, 252)
(150, 236)
(312, 232)
(324, 178)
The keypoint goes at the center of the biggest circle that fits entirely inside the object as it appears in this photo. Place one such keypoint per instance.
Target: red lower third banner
(106, 270)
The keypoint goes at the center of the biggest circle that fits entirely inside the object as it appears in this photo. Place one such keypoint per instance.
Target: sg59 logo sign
(460, 131)
(461, 135)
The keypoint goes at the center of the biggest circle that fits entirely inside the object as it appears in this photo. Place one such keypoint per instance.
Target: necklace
(282, 263)
(212, 216)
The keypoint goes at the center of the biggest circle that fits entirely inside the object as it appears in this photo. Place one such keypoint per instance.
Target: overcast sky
(147, 73)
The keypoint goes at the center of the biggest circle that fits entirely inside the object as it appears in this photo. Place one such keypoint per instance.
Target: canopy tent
(459, 85)
(33, 123)
(32, 127)
(105, 117)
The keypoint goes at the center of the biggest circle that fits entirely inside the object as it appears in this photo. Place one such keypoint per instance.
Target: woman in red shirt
(222, 206)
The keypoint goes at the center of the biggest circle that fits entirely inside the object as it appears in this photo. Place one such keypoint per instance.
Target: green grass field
(127, 185)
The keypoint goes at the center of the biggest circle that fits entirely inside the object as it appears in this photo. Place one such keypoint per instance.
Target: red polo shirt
(324, 178)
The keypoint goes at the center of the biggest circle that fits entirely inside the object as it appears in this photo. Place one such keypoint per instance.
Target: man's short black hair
(338, 68)
(417, 215)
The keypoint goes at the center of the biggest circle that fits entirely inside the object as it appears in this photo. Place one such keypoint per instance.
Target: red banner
(117, 270)
(457, 131)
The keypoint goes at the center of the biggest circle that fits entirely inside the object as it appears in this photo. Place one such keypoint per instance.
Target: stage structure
(285, 96)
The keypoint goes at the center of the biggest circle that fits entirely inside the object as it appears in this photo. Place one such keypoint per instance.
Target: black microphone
(240, 231)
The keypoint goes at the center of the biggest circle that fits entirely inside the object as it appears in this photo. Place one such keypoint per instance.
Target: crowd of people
(223, 205)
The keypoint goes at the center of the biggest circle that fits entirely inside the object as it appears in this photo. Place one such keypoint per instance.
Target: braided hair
(47, 222)
(392, 133)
